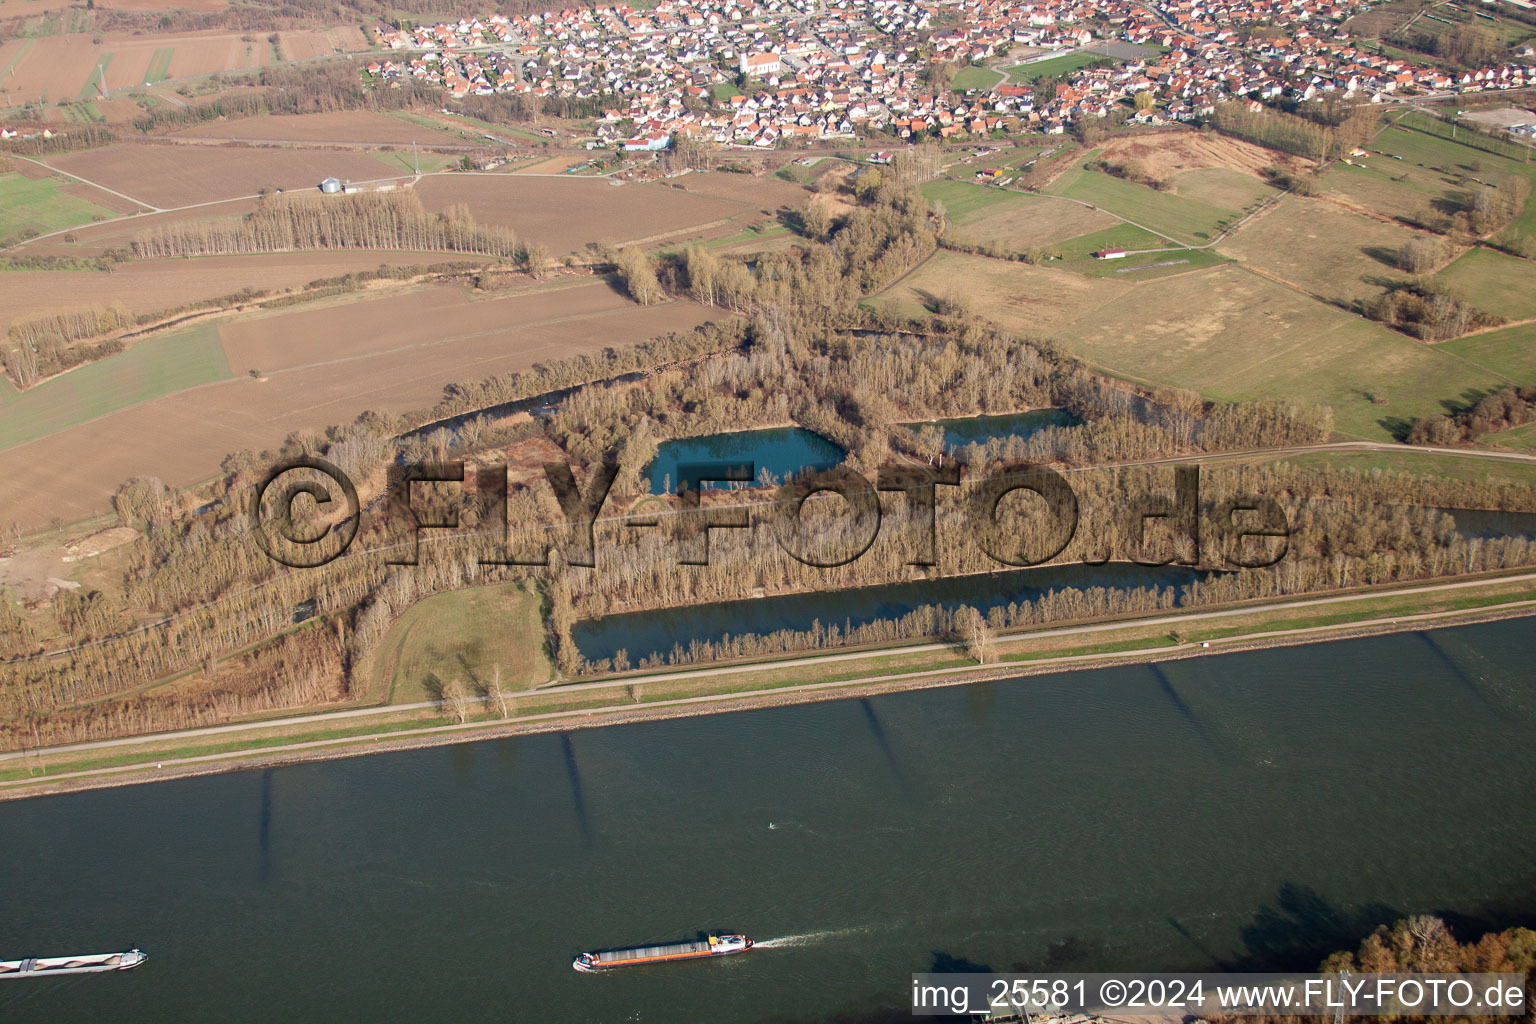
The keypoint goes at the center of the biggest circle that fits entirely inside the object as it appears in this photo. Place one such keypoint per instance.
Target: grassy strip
(1133, 638)
(98, 80)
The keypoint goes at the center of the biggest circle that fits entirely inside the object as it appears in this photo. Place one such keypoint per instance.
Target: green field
(145, 371)
(1146, 266)
(974, 76)
(1511, 351)
(1052, 68)
(1233, 335)
(1433, 173)
(1492, 281)
(93, 83)
(1520, 439)
(160, 65)
(1185, 219)
(962, 199)
(464, 635)
(1454, 467)
(37, 206)
(724, 91)
(1466, 156)
(1120, 236)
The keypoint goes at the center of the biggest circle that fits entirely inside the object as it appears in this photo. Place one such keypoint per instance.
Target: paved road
(811, 661)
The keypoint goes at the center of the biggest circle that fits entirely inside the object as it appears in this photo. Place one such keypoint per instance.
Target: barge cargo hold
(90, 963)
(716, 945)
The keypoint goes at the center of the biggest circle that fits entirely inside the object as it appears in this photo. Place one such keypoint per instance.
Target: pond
(654, 632)
(980, 429)
(781, 451)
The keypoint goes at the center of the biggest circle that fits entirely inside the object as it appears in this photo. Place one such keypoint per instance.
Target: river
(1245, 809)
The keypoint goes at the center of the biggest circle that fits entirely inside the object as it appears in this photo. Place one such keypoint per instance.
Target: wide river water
(1246, 809)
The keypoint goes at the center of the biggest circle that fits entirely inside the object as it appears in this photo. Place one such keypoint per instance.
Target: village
(789, 72)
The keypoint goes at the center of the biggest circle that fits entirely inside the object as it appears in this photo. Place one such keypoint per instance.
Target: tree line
(368, 220)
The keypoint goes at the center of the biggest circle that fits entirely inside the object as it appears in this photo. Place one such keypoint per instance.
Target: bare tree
(978, 636)
(497, 692)
(456, 699)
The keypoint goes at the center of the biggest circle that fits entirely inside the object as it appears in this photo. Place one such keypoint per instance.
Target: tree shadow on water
(1301, 928)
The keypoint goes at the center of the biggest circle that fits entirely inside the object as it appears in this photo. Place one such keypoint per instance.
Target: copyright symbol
(308, 541)
(1112, 993)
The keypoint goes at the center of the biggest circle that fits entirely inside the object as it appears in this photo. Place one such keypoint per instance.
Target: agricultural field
(1178, 217)
(1492, 281)
(324, 364)
(1015, 221)
(166, 177)
(1167, 154)
(1119, 235)
(1408, 172)
(93, 239)
(149, 286)
(464, 635)
(354, 126)
(1510, 351)
(1339, 256)
(146, 371)
(1232, 335)
(567, 213)
(30, 206)
(307, 44)
(67, 67)
(1033, 301)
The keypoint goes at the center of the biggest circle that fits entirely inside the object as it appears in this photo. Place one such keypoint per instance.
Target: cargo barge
(90, 963)
(715, 945)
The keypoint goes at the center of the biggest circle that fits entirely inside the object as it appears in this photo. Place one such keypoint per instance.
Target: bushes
(1505, 409)
(1130, 170)
(1429, 311)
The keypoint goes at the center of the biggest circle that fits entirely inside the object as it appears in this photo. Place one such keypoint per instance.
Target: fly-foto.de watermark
(1018, 996)
(305, 513)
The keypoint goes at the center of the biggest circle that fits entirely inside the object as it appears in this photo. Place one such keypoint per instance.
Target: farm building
(1109, 254)
(330, 186)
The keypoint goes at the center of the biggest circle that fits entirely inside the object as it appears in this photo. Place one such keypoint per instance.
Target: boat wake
(776, 826)
(806, 938)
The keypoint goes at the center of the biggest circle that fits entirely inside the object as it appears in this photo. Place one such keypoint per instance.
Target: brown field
(163, 5)
(1334, 254)
(1164, 154)
(1023, 222)
(554, 165)
(567, 213)
(348, 126)
(336, 362)
(153, 285)
(30, 169)
(29, 9)
(767, 193)
(309, 43)
(171, 176)
(101, 197)
(1036, 302)
(60, 67)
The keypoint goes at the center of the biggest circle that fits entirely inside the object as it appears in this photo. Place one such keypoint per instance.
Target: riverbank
(591, 704)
